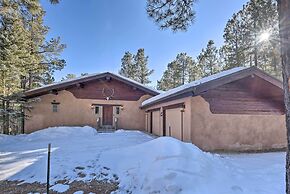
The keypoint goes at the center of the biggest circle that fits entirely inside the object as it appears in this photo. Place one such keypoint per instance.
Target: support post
(48, 168)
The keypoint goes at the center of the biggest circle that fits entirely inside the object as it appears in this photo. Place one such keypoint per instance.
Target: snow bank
(61, 132)
(167, 165)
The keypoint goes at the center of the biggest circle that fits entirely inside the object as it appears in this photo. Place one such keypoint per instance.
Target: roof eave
(62, 86)
(196, 90)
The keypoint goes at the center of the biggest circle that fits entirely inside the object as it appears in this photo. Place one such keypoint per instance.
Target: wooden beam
(80, 85)
(55, 92)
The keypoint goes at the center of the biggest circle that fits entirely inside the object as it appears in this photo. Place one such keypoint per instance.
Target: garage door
(156, 122)
(174, 122)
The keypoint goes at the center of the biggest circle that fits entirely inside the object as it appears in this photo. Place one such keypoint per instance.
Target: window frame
(97, 108)
(117, 110)
(55, 107)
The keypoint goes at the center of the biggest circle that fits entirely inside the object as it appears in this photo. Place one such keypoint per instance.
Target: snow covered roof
(62, 84)
(224, 76)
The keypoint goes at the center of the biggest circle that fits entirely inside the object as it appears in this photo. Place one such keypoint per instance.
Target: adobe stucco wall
(187, 117)
(78, 112)
(234, 132)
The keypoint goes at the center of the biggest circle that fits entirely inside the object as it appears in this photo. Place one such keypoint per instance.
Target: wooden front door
(107, 115)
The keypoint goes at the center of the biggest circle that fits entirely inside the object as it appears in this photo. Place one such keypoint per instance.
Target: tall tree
(178, 72)
(128, 68)
(141, 62)
(284, 30)
(26, 58)
(174, 14)
(135, 67)
(244, 44)
(235, 45)
(208, 60)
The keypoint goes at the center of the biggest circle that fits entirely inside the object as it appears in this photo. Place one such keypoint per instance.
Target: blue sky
(98, 33)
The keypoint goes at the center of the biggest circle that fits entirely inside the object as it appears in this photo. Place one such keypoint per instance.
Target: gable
(106, 88)
(88, 80)
(250, 95)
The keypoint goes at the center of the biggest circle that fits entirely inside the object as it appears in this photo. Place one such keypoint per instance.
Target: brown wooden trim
(151, 122)
(154, 109)
(179, 105)
(182, 125)
(100, 104)
(164, 122)
(82, 80)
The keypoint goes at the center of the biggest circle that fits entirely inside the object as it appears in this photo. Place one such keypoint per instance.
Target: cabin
(241, 109)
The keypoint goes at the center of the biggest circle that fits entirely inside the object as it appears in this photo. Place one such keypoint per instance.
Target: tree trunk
(284, 26)
(5, 116)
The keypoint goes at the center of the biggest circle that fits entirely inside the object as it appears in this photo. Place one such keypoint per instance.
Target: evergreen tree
(69, 76)
(26, 59)
(140, 62)
(235, 45)
(243, 46)
(24, 50)
(194, 72)
(128, 67)
(135, 67)
(178, 72)
(263, 18)
(174, 14)
(208, 60)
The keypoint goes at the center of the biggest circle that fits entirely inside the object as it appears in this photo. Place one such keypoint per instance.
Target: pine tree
(235, 45)
(194, 72)
(128, 68)
(135, 67)
(208, 60)
(141, 62)
(242, 45)
(176, 15)
(178, 72)
(69, 76)
(13, 44)
(26, 59)
(262, 17)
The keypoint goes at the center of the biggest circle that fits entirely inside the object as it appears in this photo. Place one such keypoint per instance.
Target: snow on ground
(141, 163)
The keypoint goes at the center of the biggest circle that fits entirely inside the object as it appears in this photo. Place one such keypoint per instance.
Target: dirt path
(94, 186)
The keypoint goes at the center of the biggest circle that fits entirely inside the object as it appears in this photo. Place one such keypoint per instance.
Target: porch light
(122, 107)
(183, 108)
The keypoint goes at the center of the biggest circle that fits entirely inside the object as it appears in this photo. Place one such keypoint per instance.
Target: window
(117, 110)
(54, 107)
(97, 110)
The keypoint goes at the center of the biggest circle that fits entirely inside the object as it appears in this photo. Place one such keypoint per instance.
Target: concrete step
(106, 129)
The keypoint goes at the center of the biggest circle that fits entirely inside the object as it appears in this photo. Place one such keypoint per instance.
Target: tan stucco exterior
(222, 132)
(225, 132)
(235, 132)
(79, 112)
